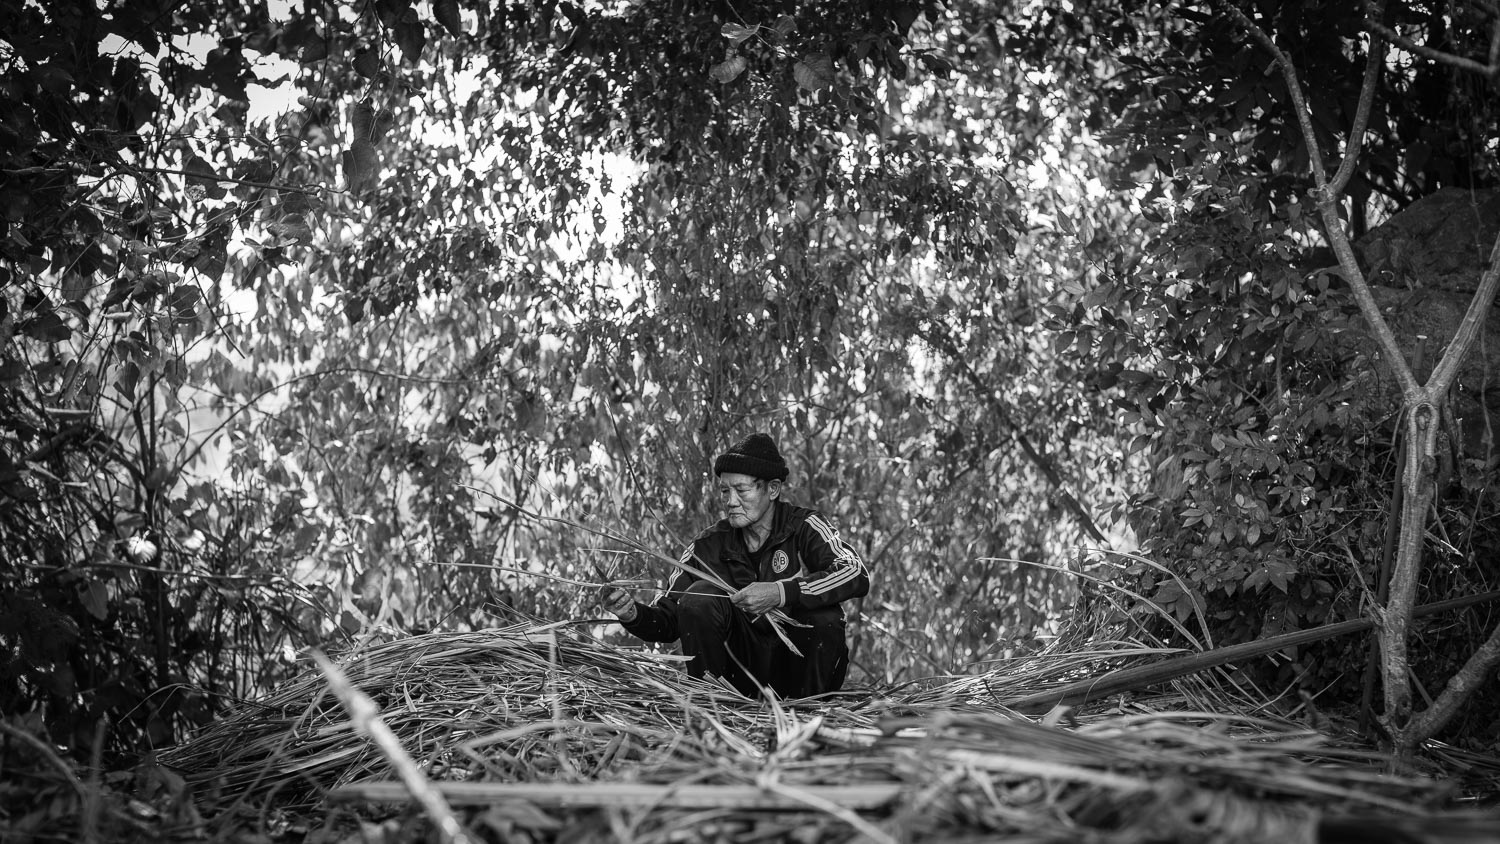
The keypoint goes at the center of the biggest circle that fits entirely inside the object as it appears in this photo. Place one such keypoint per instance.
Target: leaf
(300, 203)
(893, 59)
(184, 301)
(814, 72)
(119, 291)
(55, 80)
(292, 228)
(370, 124)
(1168, 592)
(213, 253)
(1280, 573)
(228, 72)
(1257, 578)
(15, 205)
(160, 478)
(738, 34)
(389, 11)
(47, 327)
(127, 376)
(354, 309)
(446, 12)
(936, 64)
(305, 540)
(728, 70)
(315, 50)
(59, 680)
(411, 35)
(128, 23)
(366, 62)
(95, 599)
(203, 174)
(361, 166)
(784, 25)
(904, 16)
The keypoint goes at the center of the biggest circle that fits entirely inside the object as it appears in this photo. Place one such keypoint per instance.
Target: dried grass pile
(509, 704)
(603, 727)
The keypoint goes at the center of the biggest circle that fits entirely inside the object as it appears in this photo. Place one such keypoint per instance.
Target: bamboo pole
(1143, 676)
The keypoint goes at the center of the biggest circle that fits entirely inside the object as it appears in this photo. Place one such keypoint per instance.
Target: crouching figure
(777, 556)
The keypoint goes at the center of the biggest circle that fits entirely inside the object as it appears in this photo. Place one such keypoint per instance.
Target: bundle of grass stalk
(524, 702)
(557, 736)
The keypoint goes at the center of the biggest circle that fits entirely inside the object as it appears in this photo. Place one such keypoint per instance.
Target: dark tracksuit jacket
(816, 570)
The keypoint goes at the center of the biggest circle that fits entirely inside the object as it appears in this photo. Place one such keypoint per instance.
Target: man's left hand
(757, 598)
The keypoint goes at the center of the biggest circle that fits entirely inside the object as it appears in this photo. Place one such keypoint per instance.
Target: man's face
(746, 499)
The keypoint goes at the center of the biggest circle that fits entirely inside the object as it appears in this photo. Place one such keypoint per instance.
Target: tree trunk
(1420, 408)
(1395, 616)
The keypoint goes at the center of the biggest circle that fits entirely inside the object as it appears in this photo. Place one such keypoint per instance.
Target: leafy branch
(1045, 463)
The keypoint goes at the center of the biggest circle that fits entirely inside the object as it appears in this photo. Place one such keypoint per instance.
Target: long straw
(776, 617)
(366, 717)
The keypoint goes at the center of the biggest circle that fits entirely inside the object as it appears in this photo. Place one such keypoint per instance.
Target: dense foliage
(1239, 354)
(343, 320)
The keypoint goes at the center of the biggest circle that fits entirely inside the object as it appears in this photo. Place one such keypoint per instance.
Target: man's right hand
(618, 601)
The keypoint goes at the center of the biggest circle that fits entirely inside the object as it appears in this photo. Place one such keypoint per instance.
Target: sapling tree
(1423, 402)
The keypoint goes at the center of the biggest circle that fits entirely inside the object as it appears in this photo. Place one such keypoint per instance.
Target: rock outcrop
(1424, 265)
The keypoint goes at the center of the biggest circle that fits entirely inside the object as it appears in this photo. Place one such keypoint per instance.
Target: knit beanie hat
(756, 456)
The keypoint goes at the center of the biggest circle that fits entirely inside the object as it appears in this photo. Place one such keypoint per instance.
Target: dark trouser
(724, 642)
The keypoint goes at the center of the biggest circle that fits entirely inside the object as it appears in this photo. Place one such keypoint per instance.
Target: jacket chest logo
(779, 561)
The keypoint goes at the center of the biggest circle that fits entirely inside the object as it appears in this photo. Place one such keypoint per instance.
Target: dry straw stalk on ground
(630, 748)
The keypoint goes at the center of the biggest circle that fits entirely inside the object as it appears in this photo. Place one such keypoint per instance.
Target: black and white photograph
(749, 421)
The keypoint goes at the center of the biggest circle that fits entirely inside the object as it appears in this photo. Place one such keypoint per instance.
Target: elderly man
(776, 555)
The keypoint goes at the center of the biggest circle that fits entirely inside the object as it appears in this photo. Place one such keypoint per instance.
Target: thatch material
(1156, 673)
(554, 706)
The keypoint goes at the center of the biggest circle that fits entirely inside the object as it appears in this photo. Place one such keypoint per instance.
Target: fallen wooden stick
(1142, 676)
(413, 785)
(862, 797)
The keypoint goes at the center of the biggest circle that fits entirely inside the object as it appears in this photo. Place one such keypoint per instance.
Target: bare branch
(1137, 677)
(1460, 686)
(1495, 43)
(1373, 62)
(47, 753)
(1359, 287)
(1327, 199)
(1042, 461)
(1468, 329)
(1294, 89)
(1391, 35)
